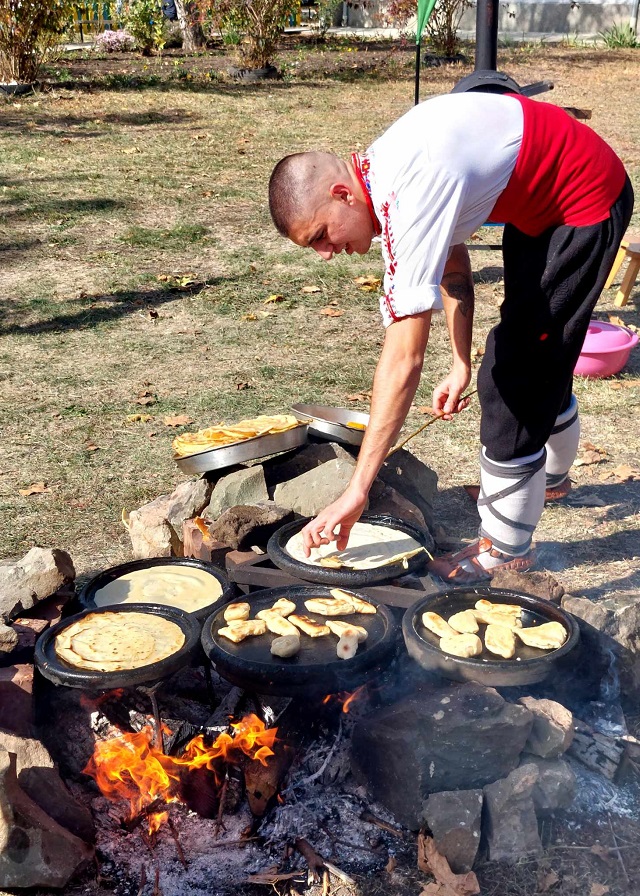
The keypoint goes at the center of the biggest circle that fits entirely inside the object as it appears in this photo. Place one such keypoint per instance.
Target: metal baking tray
(249, 449)
(331, 423)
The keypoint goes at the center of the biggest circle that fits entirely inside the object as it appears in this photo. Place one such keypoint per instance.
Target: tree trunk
(192, 34)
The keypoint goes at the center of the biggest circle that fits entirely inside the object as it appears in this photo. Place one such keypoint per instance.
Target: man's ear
(342, 192)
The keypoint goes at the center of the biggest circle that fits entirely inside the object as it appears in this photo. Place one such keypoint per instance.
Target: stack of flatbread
(187, 587)
(115, 642)
(370, 545)
(221, 435)
(460, 635)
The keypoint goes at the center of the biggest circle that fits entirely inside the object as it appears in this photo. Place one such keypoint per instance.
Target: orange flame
(130, 767)
(346, 698)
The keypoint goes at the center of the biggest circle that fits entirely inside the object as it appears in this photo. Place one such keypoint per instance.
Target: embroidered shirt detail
(362, 167)
(389, 254)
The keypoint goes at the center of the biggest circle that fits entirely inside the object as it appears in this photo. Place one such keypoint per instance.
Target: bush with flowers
(114, 41)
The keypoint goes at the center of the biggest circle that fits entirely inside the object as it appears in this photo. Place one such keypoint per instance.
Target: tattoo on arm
(459, 288)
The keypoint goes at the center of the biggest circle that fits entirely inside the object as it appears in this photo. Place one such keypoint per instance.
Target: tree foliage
(145, 21)
(28, 31)
(442, 25)
(260, 22)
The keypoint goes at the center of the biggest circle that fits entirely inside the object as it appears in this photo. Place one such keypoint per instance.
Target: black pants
(551, 285)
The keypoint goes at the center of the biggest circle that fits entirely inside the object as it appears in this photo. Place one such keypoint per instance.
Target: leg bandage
(562, 446)
(511, 501)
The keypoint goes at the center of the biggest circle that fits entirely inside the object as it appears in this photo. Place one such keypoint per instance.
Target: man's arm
(394, 386)
(458, 301)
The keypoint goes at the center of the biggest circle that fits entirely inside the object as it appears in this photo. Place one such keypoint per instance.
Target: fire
(346, 698)
(130, 767)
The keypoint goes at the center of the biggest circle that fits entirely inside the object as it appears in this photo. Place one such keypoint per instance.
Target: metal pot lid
(529, 665)
(86, 598)
(352, 578)
(249, 449)
(59, 672)
(316, 668)
(331, 423)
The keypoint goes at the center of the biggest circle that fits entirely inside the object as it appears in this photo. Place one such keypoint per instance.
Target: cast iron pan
(529, 664)
(87, 595)
(60, 672)
(316, 668)
(349, 578)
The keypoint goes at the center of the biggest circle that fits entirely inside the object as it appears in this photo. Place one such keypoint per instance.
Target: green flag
(425, 8)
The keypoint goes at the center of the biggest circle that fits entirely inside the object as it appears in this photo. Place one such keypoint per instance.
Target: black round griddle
(59, 672)
(349, 578)
(86, 598)
(529, 664)
(316, 668)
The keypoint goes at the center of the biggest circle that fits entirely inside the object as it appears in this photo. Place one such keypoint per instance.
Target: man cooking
(441, 171)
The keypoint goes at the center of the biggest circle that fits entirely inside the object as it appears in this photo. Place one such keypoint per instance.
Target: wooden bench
(629, 248)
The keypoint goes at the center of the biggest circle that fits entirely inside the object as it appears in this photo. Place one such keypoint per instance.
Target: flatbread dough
(186, 587)
(464, 622)
(500, 640)
(548, 636)
(115, 642)
(464, 645)
(370, 545)
(437, 625)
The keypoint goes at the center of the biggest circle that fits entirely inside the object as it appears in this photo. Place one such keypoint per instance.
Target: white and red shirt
(456, 161)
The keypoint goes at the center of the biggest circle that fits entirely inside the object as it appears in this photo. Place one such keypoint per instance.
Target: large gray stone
(511, 825)
(186, 501)
(289, 466)
(249, 526)
(556, 784)
(244, 486)
(8, 638)
(552, 730)
(617, 619)
(383, 499)
(311, 492)
(454, 818)
(449, 737)
(37, 575)
(35, 851)
(414, 480)
(38, 777)
(538, 584)
(150, 532)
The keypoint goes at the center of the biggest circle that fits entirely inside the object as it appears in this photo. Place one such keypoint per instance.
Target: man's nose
(325, 251)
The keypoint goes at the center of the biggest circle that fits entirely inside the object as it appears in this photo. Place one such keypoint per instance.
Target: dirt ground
(136, 264)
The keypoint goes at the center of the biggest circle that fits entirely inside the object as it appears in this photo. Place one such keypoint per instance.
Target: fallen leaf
(590, 454)
(476, 353)
(132, 150)
(207, 194)
(149, 399)
(390, 867)
(91, 447)
(447, 883)
(242, 386)
(310, 289)
(603, 852)
(276, 297)
(598, 890)
(425, 409)
(332, 312)
(359, 396)
(153, 314)
(38, 488)
(625, 472)
(368, 284)
(139, 418)
(546, 880)
(180, 420)
(250, 316)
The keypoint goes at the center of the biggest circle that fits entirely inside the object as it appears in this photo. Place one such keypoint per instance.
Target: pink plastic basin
(605, 350)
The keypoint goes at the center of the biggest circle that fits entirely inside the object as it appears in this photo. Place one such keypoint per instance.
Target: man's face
(341, 224)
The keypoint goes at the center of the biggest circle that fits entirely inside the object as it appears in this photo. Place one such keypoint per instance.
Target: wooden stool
(628, 249)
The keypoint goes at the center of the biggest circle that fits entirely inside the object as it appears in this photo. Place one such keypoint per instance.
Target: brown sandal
(557, 493)
(449, 569)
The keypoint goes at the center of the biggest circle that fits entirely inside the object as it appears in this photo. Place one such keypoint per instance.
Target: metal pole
(416, 98)
(487, 35)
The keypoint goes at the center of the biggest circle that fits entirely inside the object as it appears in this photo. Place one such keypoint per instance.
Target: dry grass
(115, 188)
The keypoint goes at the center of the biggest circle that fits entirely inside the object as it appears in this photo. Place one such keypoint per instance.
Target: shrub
(145, 21)
(29, 29)
(442, 25)
(114, 41)
(261, 22)
(620, 36)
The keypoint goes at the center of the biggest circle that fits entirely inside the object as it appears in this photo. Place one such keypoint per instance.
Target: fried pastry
(464, 622)
(284, 606)
(437, 625)
(347, 646)
(248, 628)
(487, 617)
(359, 605)
(338, 627)
(464, 645)
(506, 609)
(236, 612)
(309, 626)
(277, 623)
(500, 640)
(328, 606)
(286, 646)
(548, 636)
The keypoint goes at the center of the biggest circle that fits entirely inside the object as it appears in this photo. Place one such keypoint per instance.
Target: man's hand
(342, 515)
(447, 394)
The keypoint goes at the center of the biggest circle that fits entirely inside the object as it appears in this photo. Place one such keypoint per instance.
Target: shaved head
(300, 184)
